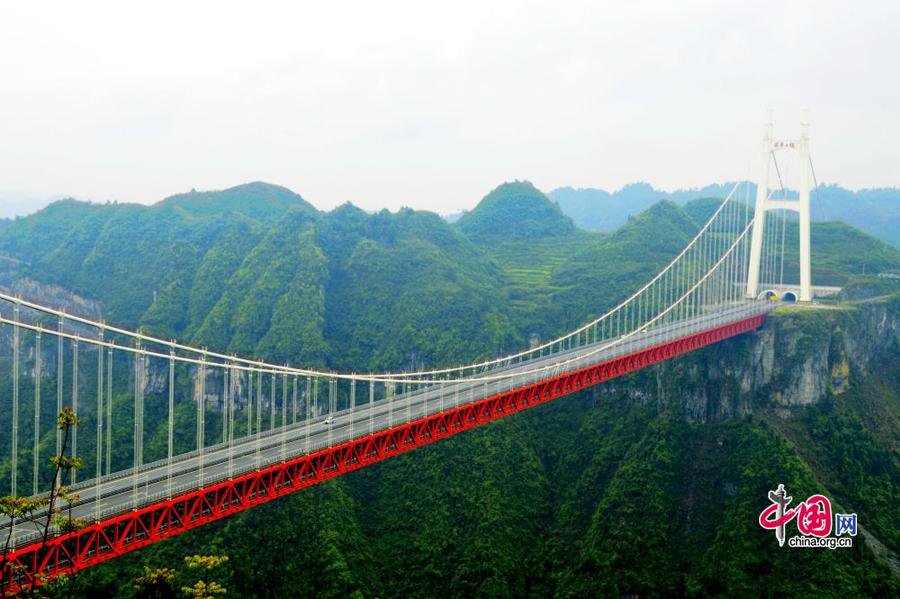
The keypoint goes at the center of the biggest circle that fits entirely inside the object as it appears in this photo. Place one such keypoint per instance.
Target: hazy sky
(431, 105)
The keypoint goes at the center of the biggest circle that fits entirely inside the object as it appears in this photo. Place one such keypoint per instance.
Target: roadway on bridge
(122, 492)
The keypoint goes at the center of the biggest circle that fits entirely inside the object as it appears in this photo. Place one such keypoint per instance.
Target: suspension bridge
(277, 428)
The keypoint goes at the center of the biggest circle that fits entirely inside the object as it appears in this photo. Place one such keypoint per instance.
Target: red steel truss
(132, 530)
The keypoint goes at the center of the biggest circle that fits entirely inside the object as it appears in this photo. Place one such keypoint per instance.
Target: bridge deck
(113, 500)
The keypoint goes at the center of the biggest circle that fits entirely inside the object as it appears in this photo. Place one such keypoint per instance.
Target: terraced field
(528, 265)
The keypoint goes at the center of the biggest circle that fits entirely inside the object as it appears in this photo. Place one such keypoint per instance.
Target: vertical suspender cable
(308, 411)
(408, 393)
(682, 285)
(389, 393)
(742, 265)
(272, 404)
(170, 437)
(98, 450)
(783, 228)
(60, 357)
(352, 403)
(142, 388)
(764, 259)
(767, 242)
(736, 262)
(736, 280)
(729, 280)
(745, 256)
(136, 449)
(719, 249)
(695, 264)
(716, 278)
(225, 405)
(59, 383)
(99, 442)
(249, 403)
(371, 406)
(14, 465)
(731, 238)
(330, 403)
(780, 214)
(37, 412)
(201, 421)
(109, 402)
(231, 407)
(283, 414)
(74, 402)
(259, 405)
(739, 256)
(294, 401)
(142, 363)
(706, 252)
(284, 399)
(723, 268)
(135, 442)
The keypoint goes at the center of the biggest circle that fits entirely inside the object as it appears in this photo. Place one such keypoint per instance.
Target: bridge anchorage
(275, 429)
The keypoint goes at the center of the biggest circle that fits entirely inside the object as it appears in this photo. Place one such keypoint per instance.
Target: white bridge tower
(765, 202)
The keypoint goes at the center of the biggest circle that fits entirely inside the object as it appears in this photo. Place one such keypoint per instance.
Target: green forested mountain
(229, 274)
(645, 486)
(263, 202)
(611, 269)
(526, 236)
(517, 211)
(123, 255)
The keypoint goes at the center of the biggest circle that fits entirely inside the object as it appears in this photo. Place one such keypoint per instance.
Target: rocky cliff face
(799, 357)
(49, 295)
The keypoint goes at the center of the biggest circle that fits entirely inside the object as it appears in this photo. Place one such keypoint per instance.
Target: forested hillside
(646, 486)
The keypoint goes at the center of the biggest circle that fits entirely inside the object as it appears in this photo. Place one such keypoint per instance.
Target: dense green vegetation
(608, 271)
(607, 493)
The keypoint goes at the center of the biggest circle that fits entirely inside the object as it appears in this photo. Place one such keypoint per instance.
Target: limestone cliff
(800, 356)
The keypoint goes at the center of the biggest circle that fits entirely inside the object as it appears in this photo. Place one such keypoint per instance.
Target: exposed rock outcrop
(799, 357)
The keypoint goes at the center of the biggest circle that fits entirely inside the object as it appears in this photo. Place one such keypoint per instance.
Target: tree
(204, 588)
(15, 508)
(156, 583)
(65, 420)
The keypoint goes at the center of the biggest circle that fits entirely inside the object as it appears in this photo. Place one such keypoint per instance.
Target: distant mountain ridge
(262, 201)
(875, 211)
